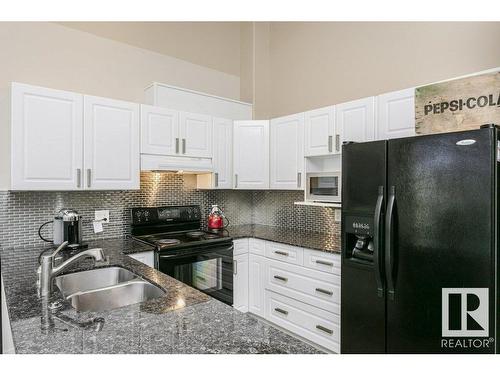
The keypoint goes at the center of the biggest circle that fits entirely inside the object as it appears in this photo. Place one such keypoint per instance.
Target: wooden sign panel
(461, 104)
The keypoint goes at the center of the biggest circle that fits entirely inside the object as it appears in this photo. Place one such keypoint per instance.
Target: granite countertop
(310, 240)
(183, 321)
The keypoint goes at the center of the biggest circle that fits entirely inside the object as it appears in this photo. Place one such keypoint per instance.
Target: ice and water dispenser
(358, 231)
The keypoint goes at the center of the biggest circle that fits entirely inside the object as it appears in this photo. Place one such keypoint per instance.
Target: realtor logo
(465, 312)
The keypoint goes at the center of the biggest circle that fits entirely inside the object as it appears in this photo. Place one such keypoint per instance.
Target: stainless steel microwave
(323, 187)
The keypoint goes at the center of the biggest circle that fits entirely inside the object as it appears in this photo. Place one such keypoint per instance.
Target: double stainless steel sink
(104, 289)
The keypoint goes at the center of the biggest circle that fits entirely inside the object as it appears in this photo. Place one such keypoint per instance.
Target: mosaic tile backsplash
(21, 213)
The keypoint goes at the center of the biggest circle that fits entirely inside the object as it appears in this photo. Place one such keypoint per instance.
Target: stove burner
(168, 241)
(209, 236)
(195, 234)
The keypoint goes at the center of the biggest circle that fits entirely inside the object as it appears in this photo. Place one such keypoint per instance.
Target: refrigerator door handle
(389, 219)
(376, 242)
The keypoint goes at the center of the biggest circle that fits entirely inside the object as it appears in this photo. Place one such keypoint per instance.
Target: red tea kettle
(216, 219)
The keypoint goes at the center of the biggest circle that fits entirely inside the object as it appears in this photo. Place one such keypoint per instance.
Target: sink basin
(93, 279)
(104, 289)
(120, 295)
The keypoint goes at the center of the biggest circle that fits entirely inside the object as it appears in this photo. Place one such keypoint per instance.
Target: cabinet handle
(78, 177)
(235, 267)
(89, 176)
(324, 291)
(236, 180)
(324, 329)
(183, 145)
(281, 311)
(176, 145)
(216, 179)
(277, 277)
(330, 141)
(324, 263)
(299, 179)
(281, 253)
(337, 142)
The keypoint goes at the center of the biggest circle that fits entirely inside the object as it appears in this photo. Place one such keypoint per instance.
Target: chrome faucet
(47, 270)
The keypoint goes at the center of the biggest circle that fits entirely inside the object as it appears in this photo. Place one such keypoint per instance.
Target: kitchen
(188, 215)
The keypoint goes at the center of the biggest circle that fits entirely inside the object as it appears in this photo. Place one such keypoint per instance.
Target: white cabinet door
(240, 281)
(319, 131)
(251, 154)
(223, 153)
(196, 135)
(396, 114)
(146, 257)
(111, 129)
(159, 131)
(355, 121)
(47, 139)
(287, 152)
(256, 280)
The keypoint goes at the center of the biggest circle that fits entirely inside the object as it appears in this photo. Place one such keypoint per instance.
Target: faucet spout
(48, 271)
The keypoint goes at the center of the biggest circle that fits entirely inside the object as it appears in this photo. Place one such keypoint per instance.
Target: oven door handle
(188, 254)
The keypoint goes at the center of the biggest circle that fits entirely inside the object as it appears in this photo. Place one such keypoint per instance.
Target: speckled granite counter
(310, 240)
(183, 321)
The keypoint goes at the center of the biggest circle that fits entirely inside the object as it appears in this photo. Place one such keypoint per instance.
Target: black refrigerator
(420, 244)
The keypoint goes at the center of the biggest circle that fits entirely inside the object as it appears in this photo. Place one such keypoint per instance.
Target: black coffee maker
(66, 226)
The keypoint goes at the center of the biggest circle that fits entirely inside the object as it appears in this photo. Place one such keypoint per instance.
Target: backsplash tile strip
(21, 213)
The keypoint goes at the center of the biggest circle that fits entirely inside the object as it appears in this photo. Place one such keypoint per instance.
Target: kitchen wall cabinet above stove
(287, 152)
(68, 141)
(251, 155)
(175, 133)
(161, 95)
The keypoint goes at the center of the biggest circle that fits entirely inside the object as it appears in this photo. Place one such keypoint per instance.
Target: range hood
(176, 164)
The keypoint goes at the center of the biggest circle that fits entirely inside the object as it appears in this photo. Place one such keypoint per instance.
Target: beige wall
(55, 56)
(215, 45)
(318, 64)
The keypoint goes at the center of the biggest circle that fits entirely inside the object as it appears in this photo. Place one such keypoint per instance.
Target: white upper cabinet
(396, 114)
(251, 154)
(355, 120)
(159, 131)
(196, 135)
(223, 153)
(319, 132)
(111, 129)
(287, 152)
(46, 139)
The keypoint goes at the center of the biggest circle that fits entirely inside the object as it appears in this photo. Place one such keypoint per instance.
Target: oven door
(208, 269)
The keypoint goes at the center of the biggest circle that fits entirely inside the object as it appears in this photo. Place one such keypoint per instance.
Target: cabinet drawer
(312, 287)
(319, 326)
(322, 261)
(257, 247)
(240, 246)
(285, 253)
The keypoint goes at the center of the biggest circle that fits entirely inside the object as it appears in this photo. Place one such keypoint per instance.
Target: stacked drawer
(297, 289)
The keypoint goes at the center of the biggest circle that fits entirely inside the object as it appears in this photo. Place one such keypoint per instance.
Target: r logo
(465, 312)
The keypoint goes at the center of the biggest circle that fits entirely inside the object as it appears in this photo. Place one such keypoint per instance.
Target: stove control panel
(166, 214)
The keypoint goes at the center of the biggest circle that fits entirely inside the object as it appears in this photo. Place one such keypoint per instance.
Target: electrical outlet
(338, 215)
(101, 215)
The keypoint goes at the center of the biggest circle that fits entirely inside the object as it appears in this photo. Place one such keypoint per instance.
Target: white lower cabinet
(240, 282)
(295, 288)
(7, 342)
(256, 278)
(317, 325)
(146, 257)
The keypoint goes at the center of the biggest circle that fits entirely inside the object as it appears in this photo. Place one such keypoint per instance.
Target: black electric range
(201, 259)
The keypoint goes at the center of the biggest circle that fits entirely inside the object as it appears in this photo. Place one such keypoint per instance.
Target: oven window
(207, 274)
(327, 185)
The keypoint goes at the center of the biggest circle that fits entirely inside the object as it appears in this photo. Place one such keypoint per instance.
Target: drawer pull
(324, 291)
(281, 253)
(277, 277)
(326, 330)
(281, 311)
(324, 263)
